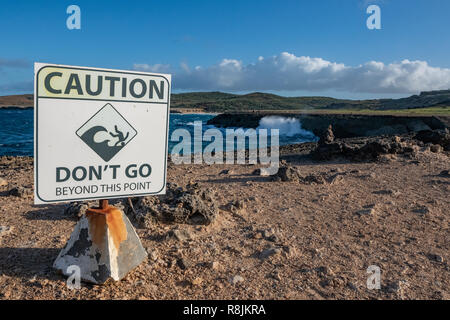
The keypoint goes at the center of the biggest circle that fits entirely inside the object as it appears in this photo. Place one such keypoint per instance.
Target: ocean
(16, 130)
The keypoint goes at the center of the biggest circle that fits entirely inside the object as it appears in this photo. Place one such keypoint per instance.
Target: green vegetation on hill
(438, 101)
(430, 102)
(220, 102)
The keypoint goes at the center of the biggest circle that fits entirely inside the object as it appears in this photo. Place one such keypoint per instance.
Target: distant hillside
(222, 102)
(21, 101)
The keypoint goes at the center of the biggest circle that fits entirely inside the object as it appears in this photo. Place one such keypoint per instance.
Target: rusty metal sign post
(100, 134)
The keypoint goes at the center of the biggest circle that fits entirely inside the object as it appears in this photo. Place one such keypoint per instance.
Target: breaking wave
(288, 127)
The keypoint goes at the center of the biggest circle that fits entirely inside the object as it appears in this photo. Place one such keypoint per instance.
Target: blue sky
(297, 47)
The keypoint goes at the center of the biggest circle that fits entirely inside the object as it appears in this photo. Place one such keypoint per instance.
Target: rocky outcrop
(20, 191)
(288, 173)
(436, 137)
(328, 136)
(344, 125)
(191, 205)
(367, 148)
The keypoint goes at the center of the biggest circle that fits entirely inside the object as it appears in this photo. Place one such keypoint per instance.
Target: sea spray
(288, 127)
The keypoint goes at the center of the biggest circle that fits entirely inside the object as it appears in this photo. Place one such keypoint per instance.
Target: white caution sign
(99, 133)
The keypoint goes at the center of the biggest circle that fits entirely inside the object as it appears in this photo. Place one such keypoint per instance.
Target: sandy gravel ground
(289, 240)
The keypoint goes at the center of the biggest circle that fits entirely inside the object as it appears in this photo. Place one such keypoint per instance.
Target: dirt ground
(289, 240)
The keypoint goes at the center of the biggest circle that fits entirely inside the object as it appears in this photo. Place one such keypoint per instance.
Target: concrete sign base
(103, 245)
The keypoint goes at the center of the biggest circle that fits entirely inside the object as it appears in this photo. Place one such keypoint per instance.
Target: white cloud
(287, 72)
(161, 68)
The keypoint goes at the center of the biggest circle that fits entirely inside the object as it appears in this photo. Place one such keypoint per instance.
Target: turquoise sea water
(16, 130)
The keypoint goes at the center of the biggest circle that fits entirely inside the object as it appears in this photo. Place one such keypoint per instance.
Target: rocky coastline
(344, 125)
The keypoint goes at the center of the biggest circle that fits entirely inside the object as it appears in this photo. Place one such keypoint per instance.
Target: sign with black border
(99, 133)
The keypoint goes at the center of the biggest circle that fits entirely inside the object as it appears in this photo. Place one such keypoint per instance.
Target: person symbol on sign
(119, 134)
